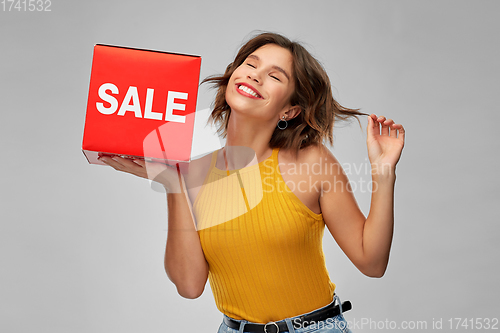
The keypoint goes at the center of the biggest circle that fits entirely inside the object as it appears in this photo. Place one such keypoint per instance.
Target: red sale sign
(141, 104)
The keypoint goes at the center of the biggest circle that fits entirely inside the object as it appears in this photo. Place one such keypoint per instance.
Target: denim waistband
(289, 321)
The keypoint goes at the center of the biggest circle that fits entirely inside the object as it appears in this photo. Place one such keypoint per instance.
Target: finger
(385, 128)
(120, 160)
(140, 162)
(123, 164)
(369, 127)
(130, 166)
(394, 132)
(111, 162)
(389, 122)
(401, 132)
(390, 127)
(373, 126)
(127, 162)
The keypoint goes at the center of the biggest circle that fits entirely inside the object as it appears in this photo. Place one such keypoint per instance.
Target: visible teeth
(248, 90)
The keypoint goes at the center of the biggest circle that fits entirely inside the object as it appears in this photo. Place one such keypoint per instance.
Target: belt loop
(337, 299)
(289, 324)
(242, 326)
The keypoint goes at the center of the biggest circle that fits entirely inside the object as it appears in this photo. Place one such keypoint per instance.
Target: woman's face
(262, 85)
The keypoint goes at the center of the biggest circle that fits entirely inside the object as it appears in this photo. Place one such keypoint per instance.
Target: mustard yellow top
(263, 245)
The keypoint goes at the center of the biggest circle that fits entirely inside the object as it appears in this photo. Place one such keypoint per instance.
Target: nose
(253, 78)
(254, 75)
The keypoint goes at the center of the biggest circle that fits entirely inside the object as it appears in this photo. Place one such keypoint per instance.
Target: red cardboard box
(141, 104)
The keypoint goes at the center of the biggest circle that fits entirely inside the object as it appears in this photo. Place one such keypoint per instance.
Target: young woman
(253, 223)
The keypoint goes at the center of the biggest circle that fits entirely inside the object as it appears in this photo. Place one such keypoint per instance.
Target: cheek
(289, 94)
(227, 95)
(283, 97)
(238, 72)
(230, 83)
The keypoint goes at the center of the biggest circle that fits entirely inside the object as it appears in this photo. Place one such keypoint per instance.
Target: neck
(251, 134)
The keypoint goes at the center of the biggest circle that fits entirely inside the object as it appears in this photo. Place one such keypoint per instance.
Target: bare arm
(185, 262)
(366, 241)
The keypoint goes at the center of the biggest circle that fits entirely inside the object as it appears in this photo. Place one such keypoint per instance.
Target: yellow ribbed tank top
(263, 245)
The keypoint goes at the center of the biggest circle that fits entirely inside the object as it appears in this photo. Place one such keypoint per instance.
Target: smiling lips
(247, 90)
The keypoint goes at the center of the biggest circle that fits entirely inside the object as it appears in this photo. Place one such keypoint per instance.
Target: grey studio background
(81, 246)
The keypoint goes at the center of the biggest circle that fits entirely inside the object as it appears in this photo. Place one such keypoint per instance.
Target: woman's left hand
(385, 141)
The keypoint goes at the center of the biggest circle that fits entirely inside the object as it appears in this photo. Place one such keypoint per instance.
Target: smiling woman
(256, 232)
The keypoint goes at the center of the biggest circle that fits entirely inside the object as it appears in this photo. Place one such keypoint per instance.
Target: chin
(236, 104)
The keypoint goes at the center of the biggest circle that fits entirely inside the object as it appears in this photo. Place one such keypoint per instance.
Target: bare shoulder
(316, 156)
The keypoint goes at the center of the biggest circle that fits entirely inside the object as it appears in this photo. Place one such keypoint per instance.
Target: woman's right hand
(168, 176)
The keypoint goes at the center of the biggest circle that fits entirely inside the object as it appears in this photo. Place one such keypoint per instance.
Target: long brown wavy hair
(313, 93)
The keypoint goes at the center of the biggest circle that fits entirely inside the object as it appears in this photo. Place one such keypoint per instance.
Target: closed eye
(251, 65)
(274, 77)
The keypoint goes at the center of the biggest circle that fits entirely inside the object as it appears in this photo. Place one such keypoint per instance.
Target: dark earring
(283, 124)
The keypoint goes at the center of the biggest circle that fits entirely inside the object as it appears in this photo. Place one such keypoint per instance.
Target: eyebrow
(278, 68)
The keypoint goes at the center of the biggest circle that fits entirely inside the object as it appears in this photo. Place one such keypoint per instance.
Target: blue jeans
(335, 324)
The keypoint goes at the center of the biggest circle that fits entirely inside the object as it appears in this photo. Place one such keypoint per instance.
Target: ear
(292, 112)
